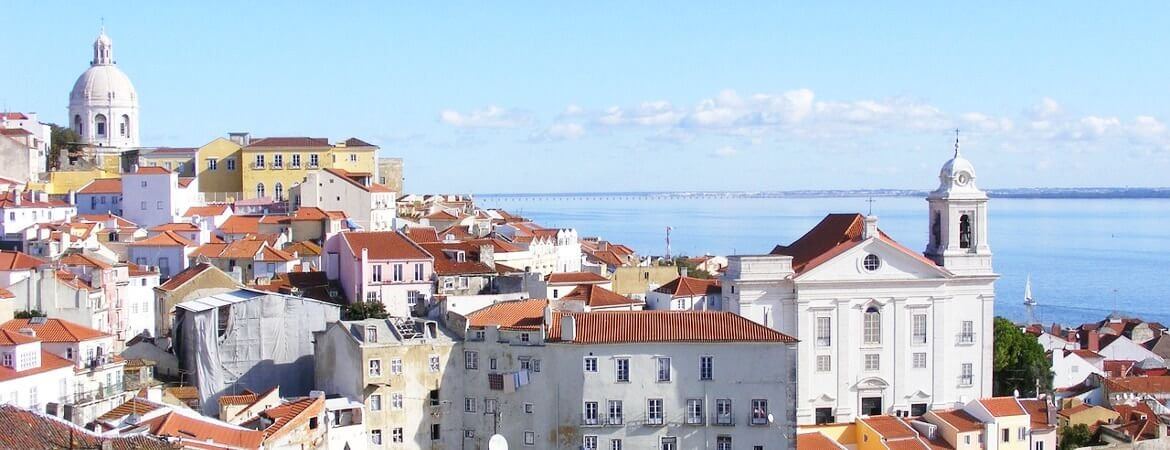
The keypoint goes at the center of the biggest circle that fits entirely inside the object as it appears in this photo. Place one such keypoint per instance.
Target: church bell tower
(958, 220)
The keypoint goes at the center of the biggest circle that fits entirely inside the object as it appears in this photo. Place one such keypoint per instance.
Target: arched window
(259, 190)
(278, 191)
(99, 124)
(872, 323)
(77, 123)
(965, 231)
(124, 125)
(935, 229)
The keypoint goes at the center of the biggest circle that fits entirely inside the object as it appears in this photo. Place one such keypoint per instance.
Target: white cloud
(489, 117)
(559, 132)
(655, 113)
(725, 152)
(1046, 108)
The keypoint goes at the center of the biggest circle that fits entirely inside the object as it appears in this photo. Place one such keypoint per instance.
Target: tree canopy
(62, 138)
(365, 310)
(1019, 361)
(1076, 436)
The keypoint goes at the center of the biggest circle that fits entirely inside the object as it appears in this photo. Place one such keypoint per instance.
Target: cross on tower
(956, 142)
(870, 201)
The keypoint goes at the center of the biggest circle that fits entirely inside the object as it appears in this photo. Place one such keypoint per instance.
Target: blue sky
(620, 96)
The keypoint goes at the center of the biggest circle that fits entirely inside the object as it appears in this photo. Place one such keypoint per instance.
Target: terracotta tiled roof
(8, 200)
(598, 297)
(183, 277)
(690, 287)
(242, 249)
(835, 234)
(175, 226)
(441, 214)
(1002, 406)
(1084, 353)
(960, 420)
(55, 330)
(12, 337)
(613, 327)
(1139, 422)
(1038, 409)
(377, 187)
(186, 181)
(519, 315)
(246, 398)
(447, 265)
(117, 220)
(314, 213)
(206, 211)
(457, 233)
(80, 259)
(152, 170)
(183, 151)
(269, 254)
(204, 430)
(241, 225)
(384, 245)
(210, 250)
(14, 132)
(816, 441)
(499, 245)
(25, 429)
(303, 248)
(13, 116)
(574, 278)
(1140, 385)
(422, 234)
(276, 219)
(289, 142)
(349, 177)
(11, 260)
(889, 427)
(49, 362)
(135, 405)
(289, 416)
(1118, 367)
(6, 294)
(355, 142)
(165, 239)
(184, 392)
(102, 186)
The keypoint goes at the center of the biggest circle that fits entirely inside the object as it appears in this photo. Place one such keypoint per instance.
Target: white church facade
(882, 329)
(103, 105)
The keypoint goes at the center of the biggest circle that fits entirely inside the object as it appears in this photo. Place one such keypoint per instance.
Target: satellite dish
(771, 419)
(497, 442)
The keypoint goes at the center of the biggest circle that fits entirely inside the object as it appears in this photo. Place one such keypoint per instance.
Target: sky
(505, 97)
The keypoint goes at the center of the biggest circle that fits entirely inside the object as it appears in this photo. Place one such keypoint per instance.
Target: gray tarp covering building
(247, 339)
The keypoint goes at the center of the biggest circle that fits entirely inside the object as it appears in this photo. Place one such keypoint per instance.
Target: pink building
(381, 266)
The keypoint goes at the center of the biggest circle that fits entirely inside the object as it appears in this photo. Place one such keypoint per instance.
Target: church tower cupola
(103, 50)
(103, 105)
(958, 219)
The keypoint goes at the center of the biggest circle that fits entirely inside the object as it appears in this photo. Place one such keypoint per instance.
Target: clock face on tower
(962, 179)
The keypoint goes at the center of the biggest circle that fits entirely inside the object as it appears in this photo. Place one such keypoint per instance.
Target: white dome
(104, 85)
(955, 166)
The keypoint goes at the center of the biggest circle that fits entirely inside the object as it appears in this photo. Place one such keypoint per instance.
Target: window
(278, 191)
(529, 438)
(616, 415)
(871, 262)
(824, 363)
(469, 404)
(396, 435)
(824, 332)
(296, 160)
(312, 160)
(591, 364)
(668, 443)
(376, 437)
(524, 337)
(376, 402)
(873, 362)
(278, 160)
(1022, 433)
(435, 432)
(489, 405)
(615, 444)
(967, 376)
(589, 415)
(259, 162)
(471, 360)
(824, 416)
(259, 190)
(759, 411)
(694, 411)
(918, 329)
(158, 205)
(723, 443)
(723, 411)
(965, 233)
(622, 369)
(396, 366)
(212, 164)
(397, 272)
(663, 369)
(967, 332)
(920, 360)
(99, 122)
(706, 367)
(353, 157)
(492, 363)
(872, 326)
(528, 408)
(375, 367)
(654, 411)
(525, 363)
(231, 163)
(434, 397)
(589, 443)
(1007, 435)
(376, 273)
(124, 125)
(917, 409)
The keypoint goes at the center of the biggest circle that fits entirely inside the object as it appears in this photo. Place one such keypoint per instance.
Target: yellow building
(1076, 412)
(219, 170)
(270, 166)
(175, 159)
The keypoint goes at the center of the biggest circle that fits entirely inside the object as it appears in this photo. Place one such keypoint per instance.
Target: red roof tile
(49, 362)
(960, 420)
(422, 234)
(613, 327)
(6, 294)
(889, 427)
(152, 170)
(1141, 385)
(25, 429)
(13, 116)
(11, 260)
(447, 264)
(1002, 406)
(816, 441)
(690, 287)
(55, 330)
(80, 259)
(176, 226)
(183, 277)
(355, 142)
(202, 430)
(10, 337)
(1038, 409)
(206, 211)
(835, 234)
(289, 142)
(383, 245)
(519, 314)
(574, 278)
(241, 225)
(303, 248)
(596, 296)
(289, 416)
(102, 186)
(165, 239)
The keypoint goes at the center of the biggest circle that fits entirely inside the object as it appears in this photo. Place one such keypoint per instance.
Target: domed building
(103, 106)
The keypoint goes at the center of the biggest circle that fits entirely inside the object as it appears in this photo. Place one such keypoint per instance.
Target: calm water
(1086, 257)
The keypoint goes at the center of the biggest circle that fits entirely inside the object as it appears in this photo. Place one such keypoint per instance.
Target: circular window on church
(871, 262)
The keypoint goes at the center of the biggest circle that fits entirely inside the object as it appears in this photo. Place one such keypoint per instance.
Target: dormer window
(460, 257)
(371, 334)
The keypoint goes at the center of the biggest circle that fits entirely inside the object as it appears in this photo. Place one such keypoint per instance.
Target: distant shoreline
(1020, 193)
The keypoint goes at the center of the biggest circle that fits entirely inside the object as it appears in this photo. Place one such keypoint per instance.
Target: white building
(152, 196)
(882, 329)
(370, 205)
(103, 106)
(100, 196)
(380, 266)
(25, 141)
(21, 212)
(167, 251)
(685, 293)
(1072, 367)
(623, 379)
(549, 249)
(30, 376)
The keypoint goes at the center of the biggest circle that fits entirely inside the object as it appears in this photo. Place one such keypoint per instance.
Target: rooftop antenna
(1029, 302)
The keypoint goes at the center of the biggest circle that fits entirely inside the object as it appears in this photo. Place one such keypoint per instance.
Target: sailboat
(1028, 292)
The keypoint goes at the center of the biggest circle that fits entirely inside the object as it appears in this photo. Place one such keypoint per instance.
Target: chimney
(1093, 341)
(487, 255)
(682, 271)
(72, 197)
(242, 139)
(568, 328)
(871, 229)
(548, 314)
(19, 197)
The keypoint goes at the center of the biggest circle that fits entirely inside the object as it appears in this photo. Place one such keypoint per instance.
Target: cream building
(882, 329)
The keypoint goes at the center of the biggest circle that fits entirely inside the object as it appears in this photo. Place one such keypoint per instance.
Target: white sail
(1028, 292)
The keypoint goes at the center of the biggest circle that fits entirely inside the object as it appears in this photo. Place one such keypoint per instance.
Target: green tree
(62, 138)
(693, 270)
(1075, 436)
(365, 310)
(1020, 362)
(28, 314)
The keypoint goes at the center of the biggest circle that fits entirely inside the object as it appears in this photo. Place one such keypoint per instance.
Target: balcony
(655, 421)
(724, 420)
(313, 165)
(590, 422)
(276, 166)
(615, 421)
(759, 419)
(256, 166)
(966, 380)
(695, 420)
